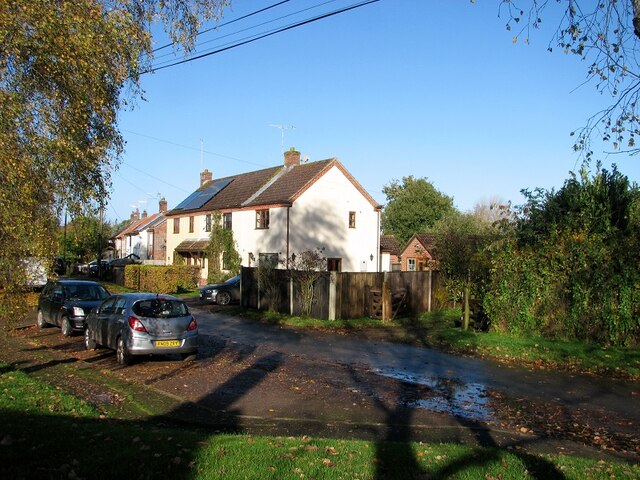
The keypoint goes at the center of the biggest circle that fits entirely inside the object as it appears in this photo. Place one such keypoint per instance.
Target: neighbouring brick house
(279, 211)
(144, 235)
(417, 255)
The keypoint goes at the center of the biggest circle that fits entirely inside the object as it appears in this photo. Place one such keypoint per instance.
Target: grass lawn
(437, 330)
(46, 433)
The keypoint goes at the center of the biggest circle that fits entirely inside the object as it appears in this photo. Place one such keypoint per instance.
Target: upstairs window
(262, 219)
(352, 219)
(191, 224)
(227, 223)
(207, 223)
(411, 264)
(176, 225)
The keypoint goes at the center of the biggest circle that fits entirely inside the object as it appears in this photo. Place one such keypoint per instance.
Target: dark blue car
(222, 293)
(66, 303)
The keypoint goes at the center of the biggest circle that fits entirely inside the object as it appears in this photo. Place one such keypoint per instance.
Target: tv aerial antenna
(282, 129)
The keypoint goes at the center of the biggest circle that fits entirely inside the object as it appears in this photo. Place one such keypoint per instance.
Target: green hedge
(161, 278)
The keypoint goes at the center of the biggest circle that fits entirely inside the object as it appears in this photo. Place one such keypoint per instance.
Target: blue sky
(433, 89)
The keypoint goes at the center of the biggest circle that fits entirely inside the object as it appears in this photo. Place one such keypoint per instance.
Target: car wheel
(188, 357)
(40, 320)
(223, 298)
(123, 357)
(89, 343)
(67, 329)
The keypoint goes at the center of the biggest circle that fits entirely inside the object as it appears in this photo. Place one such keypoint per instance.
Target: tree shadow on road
(396, 458)
(218, 408)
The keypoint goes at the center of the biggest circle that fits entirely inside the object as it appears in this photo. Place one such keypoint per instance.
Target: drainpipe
(287, 261)
(379, 262)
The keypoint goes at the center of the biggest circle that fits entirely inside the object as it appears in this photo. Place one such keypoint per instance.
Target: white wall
(257, 241)
(319, 218)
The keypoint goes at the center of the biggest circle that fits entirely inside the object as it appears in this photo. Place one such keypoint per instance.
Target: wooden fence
(339, 295)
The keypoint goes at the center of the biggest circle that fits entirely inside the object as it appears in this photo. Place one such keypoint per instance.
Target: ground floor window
(268, 258)
(334, 264)
(411, 264)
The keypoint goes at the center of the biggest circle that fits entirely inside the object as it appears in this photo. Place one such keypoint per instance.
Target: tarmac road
(263, 379)
(424, 366)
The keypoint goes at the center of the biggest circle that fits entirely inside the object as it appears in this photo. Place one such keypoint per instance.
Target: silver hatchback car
(142, 324)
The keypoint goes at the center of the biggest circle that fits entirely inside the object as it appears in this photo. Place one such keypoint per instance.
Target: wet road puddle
(445, 395)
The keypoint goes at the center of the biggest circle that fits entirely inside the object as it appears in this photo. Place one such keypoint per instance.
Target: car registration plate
(167, 343)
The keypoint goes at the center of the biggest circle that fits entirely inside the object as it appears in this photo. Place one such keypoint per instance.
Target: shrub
(162, 278)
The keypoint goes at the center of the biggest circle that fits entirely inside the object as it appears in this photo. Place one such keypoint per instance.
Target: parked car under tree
(142, 324)
(66, 303)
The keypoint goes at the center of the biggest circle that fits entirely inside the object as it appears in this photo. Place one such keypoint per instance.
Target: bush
(571, 268)
(162, 278)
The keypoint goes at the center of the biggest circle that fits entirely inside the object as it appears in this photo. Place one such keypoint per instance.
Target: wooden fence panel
(320, 306)
(351, 299)
(353, 289)
(418, 286)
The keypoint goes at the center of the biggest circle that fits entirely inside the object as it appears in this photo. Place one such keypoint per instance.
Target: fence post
(333, 277)
(386, 301)
(429, 292)
(290, 293)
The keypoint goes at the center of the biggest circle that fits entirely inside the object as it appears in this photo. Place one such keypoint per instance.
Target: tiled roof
(389, 243)
(427, 239)
(145, 222)
(278, 185)
(157, 221)
(137, 225)
(192, 245)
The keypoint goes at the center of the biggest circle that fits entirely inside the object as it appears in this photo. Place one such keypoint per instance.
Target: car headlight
(77, 311)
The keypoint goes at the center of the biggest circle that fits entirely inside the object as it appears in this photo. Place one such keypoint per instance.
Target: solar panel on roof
(198, 198)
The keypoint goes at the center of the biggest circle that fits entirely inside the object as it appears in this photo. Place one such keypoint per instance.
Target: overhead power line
(237, 32)
(227, 23)
(199, 149)
(265, 35)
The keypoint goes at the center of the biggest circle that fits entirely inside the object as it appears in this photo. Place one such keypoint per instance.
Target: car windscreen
(85, 292)
(160, 308)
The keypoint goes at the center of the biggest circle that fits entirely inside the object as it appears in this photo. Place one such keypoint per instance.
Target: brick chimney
(205, 176)
(135, 215)
(291, 157)
(162, 205)
(144, 214)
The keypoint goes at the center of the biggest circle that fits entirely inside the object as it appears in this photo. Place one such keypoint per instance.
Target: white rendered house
(280, 211)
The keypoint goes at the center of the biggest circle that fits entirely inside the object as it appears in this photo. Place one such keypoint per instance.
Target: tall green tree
(80, 239)
(66, 69)
(461, 252)
(413, 205)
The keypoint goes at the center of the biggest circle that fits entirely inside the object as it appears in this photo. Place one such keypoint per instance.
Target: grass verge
(47, 433)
